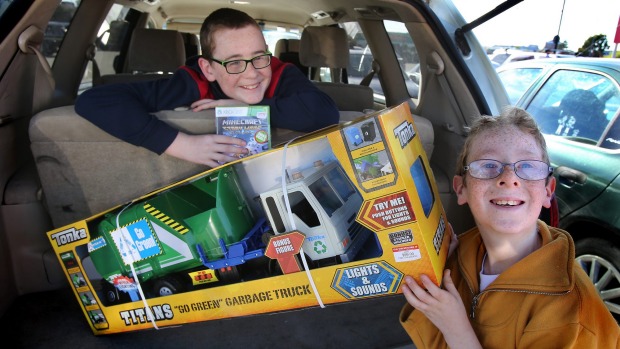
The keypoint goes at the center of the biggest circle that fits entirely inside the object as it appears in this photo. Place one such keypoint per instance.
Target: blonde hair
(510, 116)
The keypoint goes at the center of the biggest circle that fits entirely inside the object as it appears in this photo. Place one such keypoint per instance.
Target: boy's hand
(203, 104)
(210, 149)
(444, 308)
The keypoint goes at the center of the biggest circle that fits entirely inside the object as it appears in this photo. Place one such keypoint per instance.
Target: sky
(534, 22)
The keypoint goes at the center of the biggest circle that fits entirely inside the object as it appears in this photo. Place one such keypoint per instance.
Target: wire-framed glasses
(238, 66)
(531, 170)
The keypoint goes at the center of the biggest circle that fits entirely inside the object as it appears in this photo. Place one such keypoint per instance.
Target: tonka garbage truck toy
(184, 234)
(202, 232)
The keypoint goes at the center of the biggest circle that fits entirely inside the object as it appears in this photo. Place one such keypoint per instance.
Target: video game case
(250, 123)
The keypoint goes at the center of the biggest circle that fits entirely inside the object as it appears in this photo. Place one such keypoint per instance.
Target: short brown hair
(224, 18)
(510, 116)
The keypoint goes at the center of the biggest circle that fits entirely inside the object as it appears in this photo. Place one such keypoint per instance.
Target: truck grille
(355, 229)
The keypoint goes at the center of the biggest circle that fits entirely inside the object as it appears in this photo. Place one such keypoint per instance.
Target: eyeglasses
(531, 170)
(238, 66)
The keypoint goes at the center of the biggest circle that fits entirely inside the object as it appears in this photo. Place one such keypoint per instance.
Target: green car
(576, 102)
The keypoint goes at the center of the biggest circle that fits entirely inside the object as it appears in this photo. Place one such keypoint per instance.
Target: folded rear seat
(84, 170)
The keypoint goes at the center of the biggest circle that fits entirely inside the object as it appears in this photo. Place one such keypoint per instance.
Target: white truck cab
(323, 206)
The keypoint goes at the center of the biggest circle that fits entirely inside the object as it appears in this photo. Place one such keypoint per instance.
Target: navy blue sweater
(125, 110)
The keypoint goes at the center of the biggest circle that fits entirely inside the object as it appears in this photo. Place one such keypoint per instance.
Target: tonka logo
(405, 133)
(69, 236)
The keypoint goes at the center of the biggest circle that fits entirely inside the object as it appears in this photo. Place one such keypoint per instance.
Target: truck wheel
(167, 286)
(111, 295)
(229, 274)
(601, 261)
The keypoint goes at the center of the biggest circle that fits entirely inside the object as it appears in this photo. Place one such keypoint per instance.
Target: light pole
(556, 39)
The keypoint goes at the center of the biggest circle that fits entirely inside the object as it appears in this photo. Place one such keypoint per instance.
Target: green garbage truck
(202, 232)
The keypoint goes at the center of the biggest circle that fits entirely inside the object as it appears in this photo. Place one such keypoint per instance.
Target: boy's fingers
(202, 104)
(221, 139)
(236, 150)
(414, 295)
(447, 279)
(200, 107)
(449, 284)
(422, 294)
(433, 289)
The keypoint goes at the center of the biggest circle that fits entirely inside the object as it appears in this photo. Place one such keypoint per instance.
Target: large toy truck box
(190, 230)
(302, 225)
(323, 205)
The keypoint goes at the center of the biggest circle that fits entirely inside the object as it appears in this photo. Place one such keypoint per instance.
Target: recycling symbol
(320, 247)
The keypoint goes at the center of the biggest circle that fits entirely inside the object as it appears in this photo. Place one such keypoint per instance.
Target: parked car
(501, 57)
(56, 168)
(55, 30)
(576, 102)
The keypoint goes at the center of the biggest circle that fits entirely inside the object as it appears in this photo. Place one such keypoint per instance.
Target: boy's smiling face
(507, 203)
(244, 43)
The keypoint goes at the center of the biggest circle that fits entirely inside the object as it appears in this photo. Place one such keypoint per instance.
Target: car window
(577, 104)
(57, 27)
(11, 12)
(4, 5)
(110, 39)
(516, 81)
(360, 63)
(361, 58)
(407, 55)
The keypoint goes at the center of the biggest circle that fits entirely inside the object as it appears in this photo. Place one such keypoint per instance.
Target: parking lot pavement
(371, 323)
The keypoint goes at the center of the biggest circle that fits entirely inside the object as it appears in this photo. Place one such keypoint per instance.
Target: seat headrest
(324, 47)
(192, 44)
(155, 50)
(286, 46)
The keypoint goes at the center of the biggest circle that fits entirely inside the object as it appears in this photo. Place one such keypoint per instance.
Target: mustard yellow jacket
(544, 301)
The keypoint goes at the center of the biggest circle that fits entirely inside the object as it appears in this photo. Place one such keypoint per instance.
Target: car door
(574, 108)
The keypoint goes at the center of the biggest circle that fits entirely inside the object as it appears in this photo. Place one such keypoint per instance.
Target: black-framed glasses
(238, 66)
(531, 170)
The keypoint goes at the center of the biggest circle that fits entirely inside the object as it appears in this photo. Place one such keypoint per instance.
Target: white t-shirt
(485, 279)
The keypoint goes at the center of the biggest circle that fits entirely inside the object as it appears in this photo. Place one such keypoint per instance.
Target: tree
(594, 46)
